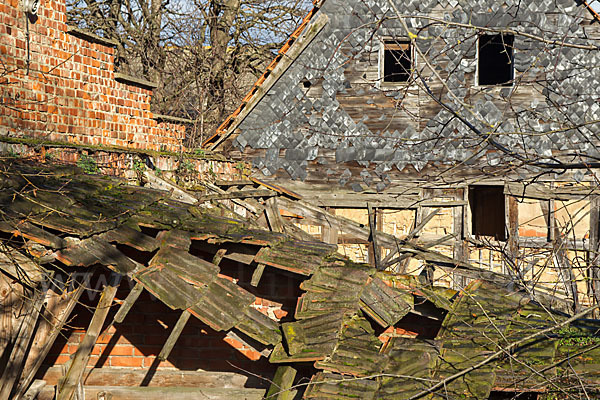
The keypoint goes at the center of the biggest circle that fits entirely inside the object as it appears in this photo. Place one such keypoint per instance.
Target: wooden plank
(58, 310)
(277, 188)
(68, 385)
(282, 383)
(238, 194)
(330, 231)
(14, 366)
(257, 275)
(35, 389)
(273, 215)
(512, 224)
(105, 392)
(21, 267)
(239, 182)
(175, 333)
(594, 254)
(460, 248)
(219, 256)
(423, 221)
(128, 303)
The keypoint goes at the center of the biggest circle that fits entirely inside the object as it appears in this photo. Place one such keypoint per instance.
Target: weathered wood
(238, 194)
(238, 182)
(594, 254)
(35, 389)
(17, 356)
(175, 333)
(512, 224)
(421, 224)
(128, 303)
(177, 193)
(374, 250)
(330, 231)
(72, 378)
(162, 377)
(273, 216)
(58, 310)
(21, 267)
(219, 256)
(257, 274)
(161, 393)
(460, 248)
(542, 192)
(282, 383)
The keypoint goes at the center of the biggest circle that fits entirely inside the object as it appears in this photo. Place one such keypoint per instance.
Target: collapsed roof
(492, 335)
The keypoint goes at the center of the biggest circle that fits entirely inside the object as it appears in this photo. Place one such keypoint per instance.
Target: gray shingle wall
(558, 91)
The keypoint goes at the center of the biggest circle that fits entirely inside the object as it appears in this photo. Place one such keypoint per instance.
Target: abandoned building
(420, 219)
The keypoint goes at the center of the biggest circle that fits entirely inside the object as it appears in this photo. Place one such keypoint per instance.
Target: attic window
(487, 211)
(495, 65)
(397, 61)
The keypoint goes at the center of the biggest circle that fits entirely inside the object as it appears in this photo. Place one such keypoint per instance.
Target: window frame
(381, 62)
(511, 83)
(470, 233)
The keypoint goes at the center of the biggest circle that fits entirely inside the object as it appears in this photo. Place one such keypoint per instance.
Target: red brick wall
(139, 339)
(70, 93)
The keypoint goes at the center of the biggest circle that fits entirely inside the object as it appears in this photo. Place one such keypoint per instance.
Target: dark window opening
(487, 211)
(397, 61)
(505, 395)
(496, 60)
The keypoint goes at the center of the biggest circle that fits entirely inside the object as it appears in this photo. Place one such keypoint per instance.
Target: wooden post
(128, 303)
(593, 255)
(460, 249)
(175, 333)
(68, 385)
(512, 224)
(58, 309)
(330, 231)
(282, 383)
(374, 260)
(17, 356)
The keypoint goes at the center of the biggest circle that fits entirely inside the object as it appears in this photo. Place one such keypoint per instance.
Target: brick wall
(69, 92)
(137, 341)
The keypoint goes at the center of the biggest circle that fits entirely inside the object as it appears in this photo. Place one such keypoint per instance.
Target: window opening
(397, 61)
(487, 211)
(496, 60)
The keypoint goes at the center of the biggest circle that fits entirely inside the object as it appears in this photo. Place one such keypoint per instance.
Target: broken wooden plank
(277, 188)
(238, 194)
(128, 303)
(422, 223)
(273, 216)
(175, 333)
(58, 310)
(21, 267)
(257, 274)
(68, 385)
(35, 389)
(219, 256)
(14, 366)
(282, 383)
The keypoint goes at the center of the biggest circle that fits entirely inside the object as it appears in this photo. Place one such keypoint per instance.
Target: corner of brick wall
(69, 93)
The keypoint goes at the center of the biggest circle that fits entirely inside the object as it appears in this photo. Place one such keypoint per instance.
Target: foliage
(88, 164)
(204, 54)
